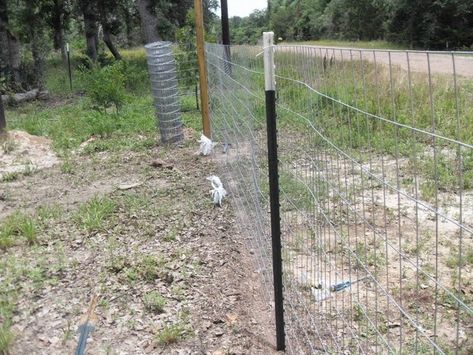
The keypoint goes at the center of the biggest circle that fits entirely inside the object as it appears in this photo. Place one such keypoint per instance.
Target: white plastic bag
(206, 145)
(217, 192)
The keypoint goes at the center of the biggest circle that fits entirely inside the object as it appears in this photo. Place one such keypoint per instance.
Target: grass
(93, 215)
(6, 337)
(74, 122)
(8, 146)
(11, 176)
(149, 267)
(352, 44)
(453, 260)
(154, 302)
(18, 225)
(171, 334)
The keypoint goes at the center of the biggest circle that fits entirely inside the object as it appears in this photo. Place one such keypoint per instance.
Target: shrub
(106, 86)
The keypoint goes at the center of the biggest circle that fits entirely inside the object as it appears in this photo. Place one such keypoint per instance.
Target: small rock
(219, 332)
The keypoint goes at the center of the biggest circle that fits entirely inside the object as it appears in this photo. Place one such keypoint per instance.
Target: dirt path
(162, 236)
(418, 61)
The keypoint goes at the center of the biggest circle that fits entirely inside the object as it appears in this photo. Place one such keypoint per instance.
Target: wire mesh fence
(376, 185)
(237, 114)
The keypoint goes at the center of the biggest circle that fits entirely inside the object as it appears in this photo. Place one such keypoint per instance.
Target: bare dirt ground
(162, 235)
(20, 151)
(418, 240)
(415, 61)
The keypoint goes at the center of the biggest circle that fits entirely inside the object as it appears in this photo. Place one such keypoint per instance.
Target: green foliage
(70, 125)
(248, 29)
(433, 24)
(105, 86)
(420, 24)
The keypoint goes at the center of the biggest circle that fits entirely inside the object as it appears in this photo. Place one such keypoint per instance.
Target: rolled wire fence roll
(165, 90)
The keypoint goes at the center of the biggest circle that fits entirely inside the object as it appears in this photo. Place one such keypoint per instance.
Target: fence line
(376, 189)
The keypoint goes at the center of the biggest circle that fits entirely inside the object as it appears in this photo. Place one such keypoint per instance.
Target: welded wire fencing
(376, 190)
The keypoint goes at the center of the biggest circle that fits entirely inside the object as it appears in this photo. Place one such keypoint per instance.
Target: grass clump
(6, 337)
(18, 225)
(154, 302)
(171, 334)
(454, 260)
(9, 177)
(93, 215)
(68, 167)
(8, 146)
(149, 268)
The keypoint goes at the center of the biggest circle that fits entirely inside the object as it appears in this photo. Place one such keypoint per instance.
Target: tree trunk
(4, 60)
(14, 58)
(149, 21)
(58, 24)
(107, 38)
(4, 57)
(62, 45)
(38, 63)
(3, 121)
(91, 29)
(10, 53)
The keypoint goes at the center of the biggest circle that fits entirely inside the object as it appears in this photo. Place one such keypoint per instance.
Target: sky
(244, 7)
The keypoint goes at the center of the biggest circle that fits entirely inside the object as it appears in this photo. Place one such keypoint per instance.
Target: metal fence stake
(69, 65)
(270, 89)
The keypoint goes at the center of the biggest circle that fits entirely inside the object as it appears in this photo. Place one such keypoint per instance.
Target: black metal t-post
(225, 25)
(69, 65)
(226, 35)
(270, 89)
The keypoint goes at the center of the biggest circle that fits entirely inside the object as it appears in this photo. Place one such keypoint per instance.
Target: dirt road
(440, 63)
